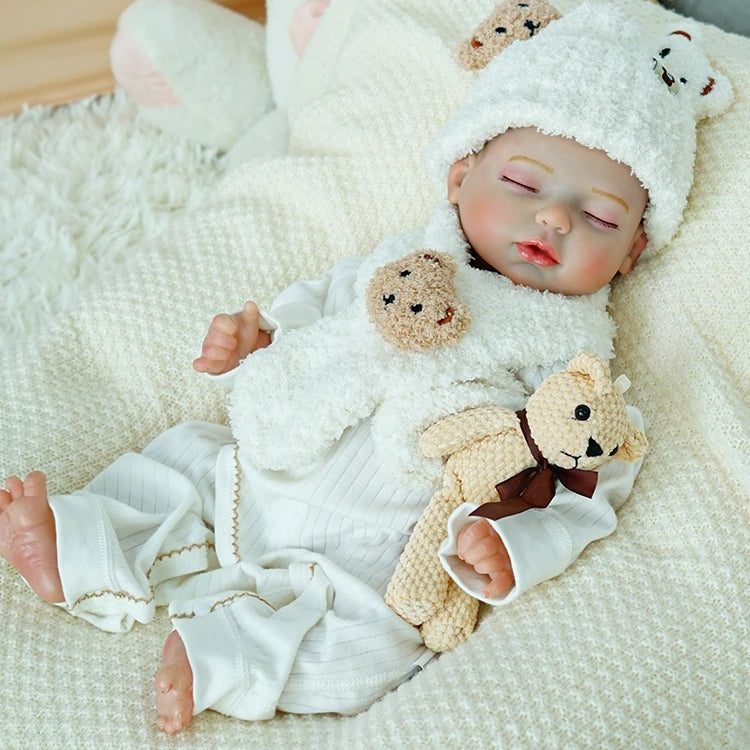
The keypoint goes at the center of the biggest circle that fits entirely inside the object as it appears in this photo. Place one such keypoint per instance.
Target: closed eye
(600, 222)
(517, 184)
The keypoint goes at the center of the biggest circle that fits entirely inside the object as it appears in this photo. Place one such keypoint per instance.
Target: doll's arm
(304, 302)
(541, 544)
(231, 337)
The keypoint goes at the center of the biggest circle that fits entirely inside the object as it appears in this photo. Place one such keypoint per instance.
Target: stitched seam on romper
(235, 526)
(222, 603)
(182, 550)
(110, 592)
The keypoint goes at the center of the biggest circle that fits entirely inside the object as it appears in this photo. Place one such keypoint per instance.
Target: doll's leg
(103, 550)
(174, 686)
(297, 634)
(27, 534)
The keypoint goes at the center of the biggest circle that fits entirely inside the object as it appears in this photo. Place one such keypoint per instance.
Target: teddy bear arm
(456, 431)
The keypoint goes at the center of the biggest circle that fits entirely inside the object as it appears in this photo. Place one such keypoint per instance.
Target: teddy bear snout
(593, 449)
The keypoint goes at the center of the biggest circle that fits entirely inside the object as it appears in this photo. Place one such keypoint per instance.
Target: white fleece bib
(292, 400)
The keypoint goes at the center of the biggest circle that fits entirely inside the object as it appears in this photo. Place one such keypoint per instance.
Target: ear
(639, 244)
(456, 175)
(595, 369)
(633, 447)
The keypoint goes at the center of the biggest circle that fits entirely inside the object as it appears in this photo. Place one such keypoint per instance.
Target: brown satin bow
(535, 487)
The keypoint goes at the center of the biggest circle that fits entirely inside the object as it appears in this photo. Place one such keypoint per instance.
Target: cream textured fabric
(643, 643)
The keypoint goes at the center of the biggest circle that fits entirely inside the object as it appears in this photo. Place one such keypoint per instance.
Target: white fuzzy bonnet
(594, 76)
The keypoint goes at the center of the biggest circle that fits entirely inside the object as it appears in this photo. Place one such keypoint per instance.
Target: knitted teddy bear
(574, 422)
(201, 71)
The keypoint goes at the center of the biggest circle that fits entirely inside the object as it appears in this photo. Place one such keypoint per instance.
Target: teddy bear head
(684, 68)
(509, 21)
(578, 419)
(413, 303)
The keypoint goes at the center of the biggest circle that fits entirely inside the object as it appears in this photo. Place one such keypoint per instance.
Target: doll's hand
(479, 545)
(230, 338)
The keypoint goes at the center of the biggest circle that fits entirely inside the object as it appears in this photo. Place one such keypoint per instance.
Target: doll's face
(549, 213)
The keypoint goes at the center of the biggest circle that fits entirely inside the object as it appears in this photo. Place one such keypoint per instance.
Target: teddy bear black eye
(389, 299)
(501, 30)
(416, 308)
(683, 80)
(665, 52)
(582, 412)
(614, 450)
(405, 272)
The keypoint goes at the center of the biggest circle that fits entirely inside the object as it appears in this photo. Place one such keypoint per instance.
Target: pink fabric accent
(135, 72)
(304, 22)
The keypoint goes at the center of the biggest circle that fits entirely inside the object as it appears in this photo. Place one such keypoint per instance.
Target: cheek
(483, 215)
(599, 262)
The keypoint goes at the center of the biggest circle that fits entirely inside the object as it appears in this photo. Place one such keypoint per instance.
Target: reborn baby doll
(273, 542)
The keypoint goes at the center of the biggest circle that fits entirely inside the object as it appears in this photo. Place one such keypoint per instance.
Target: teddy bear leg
(454, 623)
(419, 584)
(193, 68)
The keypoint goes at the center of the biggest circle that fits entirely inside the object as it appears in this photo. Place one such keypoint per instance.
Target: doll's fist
(479, 545)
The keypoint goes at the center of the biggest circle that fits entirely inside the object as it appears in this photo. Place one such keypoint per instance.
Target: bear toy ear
(595, 369)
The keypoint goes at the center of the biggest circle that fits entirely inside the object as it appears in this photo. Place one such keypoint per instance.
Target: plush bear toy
(683, 66)
(200, 71)
(413, 302)
(510, 20)
(507, 463)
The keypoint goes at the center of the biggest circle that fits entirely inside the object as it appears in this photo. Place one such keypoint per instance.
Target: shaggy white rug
(82, 185)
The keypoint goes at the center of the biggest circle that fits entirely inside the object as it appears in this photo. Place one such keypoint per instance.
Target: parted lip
(537, 251)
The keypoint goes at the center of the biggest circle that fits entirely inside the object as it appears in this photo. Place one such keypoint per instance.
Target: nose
(593, 449)
(555, 217)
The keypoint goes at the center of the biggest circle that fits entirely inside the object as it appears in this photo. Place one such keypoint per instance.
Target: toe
(35, 484)
(15, 487)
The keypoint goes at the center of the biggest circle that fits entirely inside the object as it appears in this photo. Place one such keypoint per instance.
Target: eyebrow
(521, 157)
(611, 196)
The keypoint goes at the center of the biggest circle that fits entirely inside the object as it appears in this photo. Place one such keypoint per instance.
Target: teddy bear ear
(595, 369)
(457, 431)
(633, 447)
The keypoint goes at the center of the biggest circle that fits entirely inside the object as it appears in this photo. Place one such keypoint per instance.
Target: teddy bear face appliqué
(413, 302)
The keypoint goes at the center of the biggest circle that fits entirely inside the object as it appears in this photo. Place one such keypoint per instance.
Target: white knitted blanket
(642, 643)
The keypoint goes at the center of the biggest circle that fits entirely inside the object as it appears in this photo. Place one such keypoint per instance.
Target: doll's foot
(174, 686)
(27, 534)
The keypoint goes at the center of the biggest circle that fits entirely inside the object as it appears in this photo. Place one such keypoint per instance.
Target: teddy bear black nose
(416, 308)
(389, 299)
(594, 449)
